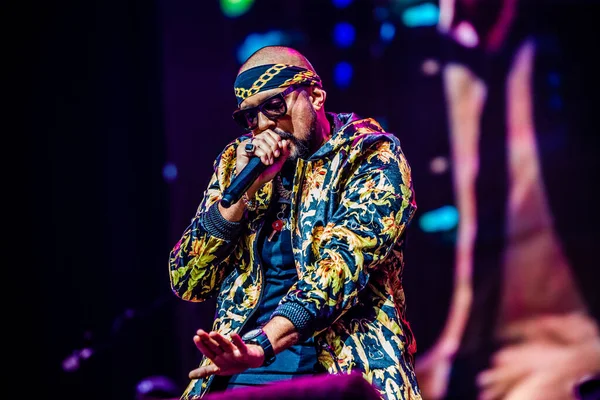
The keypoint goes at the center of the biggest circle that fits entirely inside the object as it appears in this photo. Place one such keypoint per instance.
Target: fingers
(495, 383)
(267, 146)
(201, 372)
(272, 150)
(225, 356)
(207, 344)
(237, 341)
(508, 367)
(224, 344)
(213, 344)
(285, 147)
(249, 147)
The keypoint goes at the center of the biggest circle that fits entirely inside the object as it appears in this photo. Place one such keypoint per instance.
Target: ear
(317, 97)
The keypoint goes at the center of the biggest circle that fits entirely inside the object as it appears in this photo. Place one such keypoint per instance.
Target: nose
(265, 123)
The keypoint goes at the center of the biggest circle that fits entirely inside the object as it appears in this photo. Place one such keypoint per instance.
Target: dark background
(120, 89)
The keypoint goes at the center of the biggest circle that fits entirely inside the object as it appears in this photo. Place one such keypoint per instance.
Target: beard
(303, 148)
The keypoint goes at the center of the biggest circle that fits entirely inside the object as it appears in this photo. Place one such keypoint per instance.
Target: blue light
(426, 14)
(556, 102)
(341, 3)
(554, 79)
(169, 172)
(342, 74)
(344, 34)
(255, 41)
(381, 13)
(444, 218)
(387, 31)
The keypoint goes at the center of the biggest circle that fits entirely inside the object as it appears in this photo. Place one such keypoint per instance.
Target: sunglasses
(274, 107)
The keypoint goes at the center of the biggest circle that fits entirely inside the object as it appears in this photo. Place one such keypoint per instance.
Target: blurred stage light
(342, 74)
(466, 34)
(439, 165)
(554, 79)
(157, 387)
(556, 102)
(387, 31)
(344, 34)
(425, 14)
(169, 172)
(341, 3)
(235, 8)
(441, 219)
(430, 67)
(255, 41)
(381, 13)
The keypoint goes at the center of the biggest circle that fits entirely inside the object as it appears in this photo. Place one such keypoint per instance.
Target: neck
(323, 131)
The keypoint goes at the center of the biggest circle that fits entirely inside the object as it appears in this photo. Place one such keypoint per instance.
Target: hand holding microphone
(258, 161)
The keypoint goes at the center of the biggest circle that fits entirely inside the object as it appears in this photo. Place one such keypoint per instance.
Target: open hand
(228, 356)
(556, 352)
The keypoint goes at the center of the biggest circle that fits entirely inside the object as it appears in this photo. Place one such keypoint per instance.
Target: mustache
(284, 134)
(302, 147)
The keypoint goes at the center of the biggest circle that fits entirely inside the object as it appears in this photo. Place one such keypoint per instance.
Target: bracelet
(251, 204)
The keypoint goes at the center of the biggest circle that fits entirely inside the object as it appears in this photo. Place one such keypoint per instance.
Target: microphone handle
(243, 181)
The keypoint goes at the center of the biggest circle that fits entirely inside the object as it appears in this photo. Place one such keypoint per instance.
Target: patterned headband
(270, 76)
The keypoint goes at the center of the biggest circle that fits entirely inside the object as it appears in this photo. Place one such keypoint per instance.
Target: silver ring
(250, 147)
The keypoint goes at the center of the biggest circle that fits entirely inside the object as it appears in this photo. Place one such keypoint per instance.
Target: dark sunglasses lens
(247, 119)
(275, 107)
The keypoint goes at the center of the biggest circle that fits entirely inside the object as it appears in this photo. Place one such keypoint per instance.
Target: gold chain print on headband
(301, 77)
(260, 82)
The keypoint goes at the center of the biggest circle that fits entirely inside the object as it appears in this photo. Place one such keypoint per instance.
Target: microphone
(243, 181)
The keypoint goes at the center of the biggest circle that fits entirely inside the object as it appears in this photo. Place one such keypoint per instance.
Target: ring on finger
(249, 147)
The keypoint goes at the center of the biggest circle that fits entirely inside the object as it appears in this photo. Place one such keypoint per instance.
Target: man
(307, 265)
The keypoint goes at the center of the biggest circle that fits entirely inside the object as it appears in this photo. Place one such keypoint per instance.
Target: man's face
(291, 116)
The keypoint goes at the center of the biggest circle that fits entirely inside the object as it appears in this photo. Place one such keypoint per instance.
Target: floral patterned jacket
(353, 200)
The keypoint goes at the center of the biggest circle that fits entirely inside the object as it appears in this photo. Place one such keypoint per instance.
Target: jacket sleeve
(374, 209)
(204, 254)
